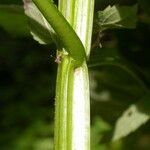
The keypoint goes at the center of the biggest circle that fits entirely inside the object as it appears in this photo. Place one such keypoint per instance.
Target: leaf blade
(39, 27)
(117, 17)
(17, 27)
(132, 118)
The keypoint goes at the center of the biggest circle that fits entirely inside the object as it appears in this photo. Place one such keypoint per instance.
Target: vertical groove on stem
(61, 106)
(83, 22)
(67, 9)
(79, 14)
(64, 88)
(73, 122)
(81, 110)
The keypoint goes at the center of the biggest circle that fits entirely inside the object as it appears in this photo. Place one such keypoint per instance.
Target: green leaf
(40, 28)
(98, 128)
(135, 116)
(117, 17)
(13, 20)
(69, 38)
(101, 55)
(111, 57)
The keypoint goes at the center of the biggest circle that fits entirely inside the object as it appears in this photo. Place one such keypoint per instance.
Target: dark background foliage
(27, 85)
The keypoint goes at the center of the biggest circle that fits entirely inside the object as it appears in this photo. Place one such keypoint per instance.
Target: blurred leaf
(38, 136)
(44, 144)
(101, 55)
(135, 116)
(117, 17)
(40, 28)
(98, 129)
(111, 57)
(13, 20)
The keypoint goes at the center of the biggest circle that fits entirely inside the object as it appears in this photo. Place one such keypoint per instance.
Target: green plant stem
(72, 114)
(63, 81)
(72, 107)
(67, 36)
(79, 14)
